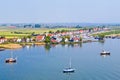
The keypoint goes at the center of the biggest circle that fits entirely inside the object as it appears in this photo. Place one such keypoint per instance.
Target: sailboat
(105, 52)
(69, 69)
(11, 59)
(2, 49)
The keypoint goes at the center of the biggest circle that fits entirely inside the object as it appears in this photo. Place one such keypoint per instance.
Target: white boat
(11, 59)
(2, 49)
(105, 52)
(69, 69)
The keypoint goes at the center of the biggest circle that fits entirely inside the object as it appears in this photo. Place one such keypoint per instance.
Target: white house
(19, 40)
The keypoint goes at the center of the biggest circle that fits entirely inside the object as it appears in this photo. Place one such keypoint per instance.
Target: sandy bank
(11, 46)
(40, 43)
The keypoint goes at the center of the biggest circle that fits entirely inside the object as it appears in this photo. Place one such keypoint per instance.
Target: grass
(108, 33)
(9, 32)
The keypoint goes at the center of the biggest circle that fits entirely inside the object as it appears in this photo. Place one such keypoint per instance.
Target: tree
(80, 38)
(63, 30)
(32, 33)
(101, 36)
(2, 36)
(68, 37)
(29, 36)
(63, 39)
(85, 28)
(47, 39)
(58, 31)
(50, 31)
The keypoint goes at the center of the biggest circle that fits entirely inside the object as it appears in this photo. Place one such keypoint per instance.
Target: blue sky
(59, 11)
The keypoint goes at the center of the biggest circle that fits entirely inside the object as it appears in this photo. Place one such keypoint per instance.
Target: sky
(59, 11)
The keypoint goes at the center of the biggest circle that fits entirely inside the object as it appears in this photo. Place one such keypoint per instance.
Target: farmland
(24, 32)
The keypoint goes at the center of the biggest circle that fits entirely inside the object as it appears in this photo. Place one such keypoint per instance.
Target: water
(47, 63)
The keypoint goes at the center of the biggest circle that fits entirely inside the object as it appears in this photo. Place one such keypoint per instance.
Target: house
(70, 33)
(66, 39)
(40, 38)
(19, 40)
(76, 39)
(51, 35)
(81, 31)
(2, 40)
(54, 41)
(71, 39)
(64, 33)
(59, 39)
(24, 39)
(28, 40)
(14, 39)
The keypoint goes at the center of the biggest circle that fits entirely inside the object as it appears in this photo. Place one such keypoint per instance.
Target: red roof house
(40, 38)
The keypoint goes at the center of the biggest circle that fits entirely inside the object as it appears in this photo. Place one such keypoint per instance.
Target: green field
(114, 31)
(10, 32)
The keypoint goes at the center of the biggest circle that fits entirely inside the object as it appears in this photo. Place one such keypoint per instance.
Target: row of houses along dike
(74, 36)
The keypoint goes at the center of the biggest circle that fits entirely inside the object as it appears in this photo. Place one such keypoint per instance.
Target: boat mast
(11, 54)
(70, 63)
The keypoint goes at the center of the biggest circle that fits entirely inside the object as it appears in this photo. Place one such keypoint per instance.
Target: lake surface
(47, 63)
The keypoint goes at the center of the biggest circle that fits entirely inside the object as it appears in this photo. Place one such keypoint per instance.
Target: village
(71, 36)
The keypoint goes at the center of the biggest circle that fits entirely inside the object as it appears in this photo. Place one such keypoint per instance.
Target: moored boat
(2, 49)
(69, 69)
(105, 52)
(10, 60)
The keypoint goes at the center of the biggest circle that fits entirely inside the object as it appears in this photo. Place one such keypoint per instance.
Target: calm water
(47, 63)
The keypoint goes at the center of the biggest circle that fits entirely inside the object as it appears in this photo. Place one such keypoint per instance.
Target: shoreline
(10, 46)
(21, 45)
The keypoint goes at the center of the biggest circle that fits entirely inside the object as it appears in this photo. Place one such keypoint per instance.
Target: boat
(11, 59)
(105, 52)
(2, 49)
(69, 69)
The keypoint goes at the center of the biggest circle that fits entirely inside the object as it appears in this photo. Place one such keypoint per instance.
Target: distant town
(57, 25)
